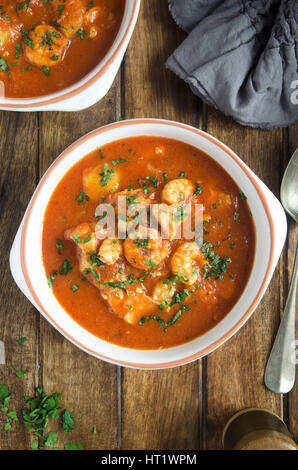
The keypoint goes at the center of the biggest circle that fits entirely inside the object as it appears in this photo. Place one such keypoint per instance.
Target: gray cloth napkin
(241, 57)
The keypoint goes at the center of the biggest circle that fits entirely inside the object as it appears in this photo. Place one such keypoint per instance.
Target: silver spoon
(280, 369)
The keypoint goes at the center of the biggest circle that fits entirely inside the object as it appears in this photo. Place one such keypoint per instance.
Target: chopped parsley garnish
(106, 175)
(242, 195)
(51, 278)
(217, 265)
(236, 216)
(117, 161)
(17, 51)
(142, 242)
(59, 245)
(5, 397)
(46, 70)
(147, 182)
(65, 268)
(81, 33)
(20, 373)
(81, 197)
(78, 240)
(73, 446)
(22, 340)
(94, 259)
(67, 421)
(180, 214)
(162, 323)
(3, 64)
(198, 189)
(27, 40)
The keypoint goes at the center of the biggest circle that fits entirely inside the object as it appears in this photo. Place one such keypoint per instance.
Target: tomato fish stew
(48, 45)
(158, 286)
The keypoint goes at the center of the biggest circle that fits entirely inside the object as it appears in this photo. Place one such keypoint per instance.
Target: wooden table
(182, 408)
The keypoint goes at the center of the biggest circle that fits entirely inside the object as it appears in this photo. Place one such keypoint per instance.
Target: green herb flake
(242, 196)
(73, 446)
(67, 421)
(20, 373)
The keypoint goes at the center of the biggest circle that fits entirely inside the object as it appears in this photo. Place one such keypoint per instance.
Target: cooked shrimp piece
(45, 46)
(110, 250)
(218, 196)
(70, 17)
(130, 303)
(163, 294)
(165, 216)
(177, 191)
(100, 181)
(146, 250)
(96, 19)
(187, 261)
(84, 236)
(135, 200)
(131, 207)
(87, 245)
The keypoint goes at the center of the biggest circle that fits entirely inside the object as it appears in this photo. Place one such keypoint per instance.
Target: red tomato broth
(85, 305)
(26, 80)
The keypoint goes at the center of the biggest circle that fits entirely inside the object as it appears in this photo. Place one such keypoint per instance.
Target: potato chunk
(100, 181)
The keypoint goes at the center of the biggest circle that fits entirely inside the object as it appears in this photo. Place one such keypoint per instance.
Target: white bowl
(26, 254)
(93, 86)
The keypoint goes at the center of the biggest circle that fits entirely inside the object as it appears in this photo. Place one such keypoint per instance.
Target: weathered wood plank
(235, 372)
(18, 176)
(88, 385)
(159, 408)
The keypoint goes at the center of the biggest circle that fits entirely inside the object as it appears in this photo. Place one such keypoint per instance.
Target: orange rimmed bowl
(26, 254)
(93, 86)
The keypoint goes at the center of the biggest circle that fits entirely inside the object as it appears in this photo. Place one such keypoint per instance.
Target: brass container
(257, 429)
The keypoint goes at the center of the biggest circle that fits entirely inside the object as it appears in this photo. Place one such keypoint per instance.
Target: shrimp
(186, 262)
(131, 206)
(165, 216)
(10, 31)
(135, 200)
(110, 250)
(70, 16)
(87, 245)
(45, 46)
(163, 294)
(129, 302)
(146, 250)
(84, 236)
(219, 197)
(97, 18)
(177, 191)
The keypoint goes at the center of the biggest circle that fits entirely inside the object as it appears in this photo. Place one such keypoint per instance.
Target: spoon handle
(280, 369)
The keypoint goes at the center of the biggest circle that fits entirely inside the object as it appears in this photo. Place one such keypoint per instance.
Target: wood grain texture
(88, 386)
(18, 177)
(243, 358)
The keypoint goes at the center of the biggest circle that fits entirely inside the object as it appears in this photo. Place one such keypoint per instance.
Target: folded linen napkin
(241, 56)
